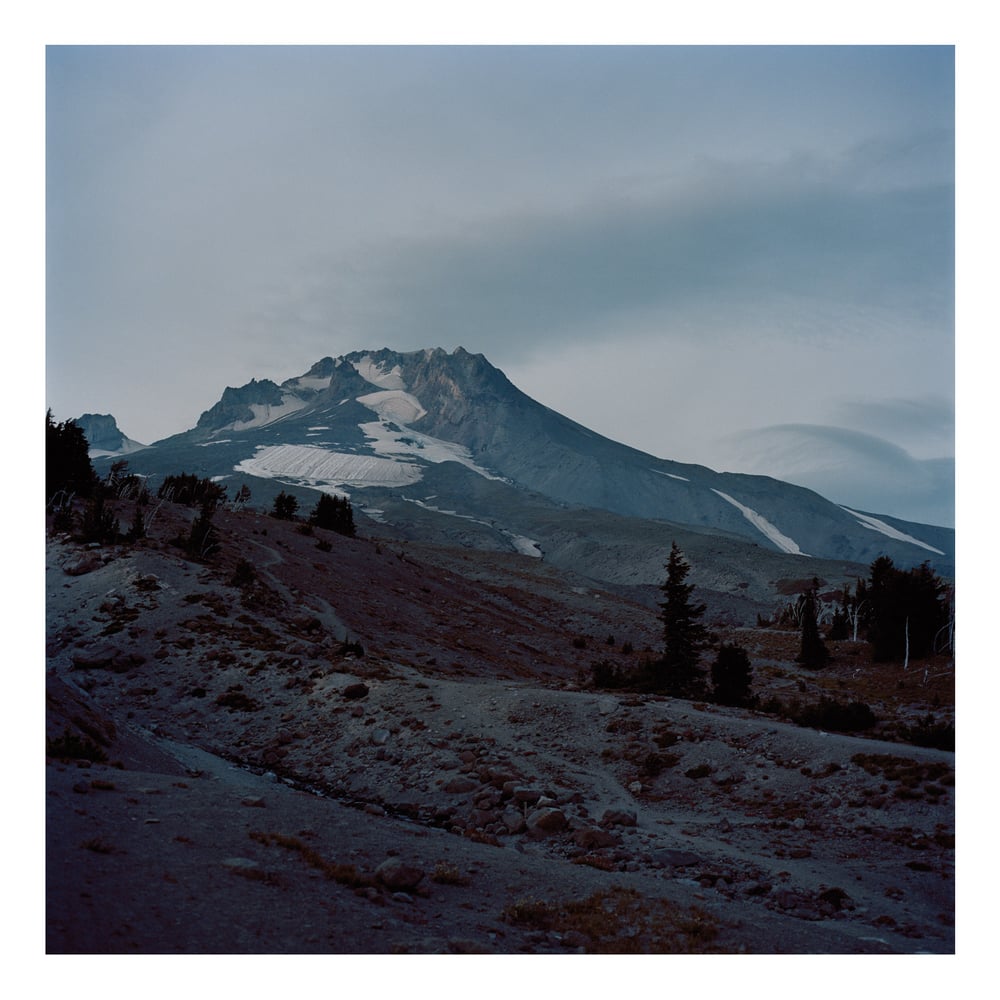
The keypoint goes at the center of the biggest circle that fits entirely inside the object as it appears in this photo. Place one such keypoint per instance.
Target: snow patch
(394, 404)
(764, 526)
(376, 373)
(311, 383)
(322, 469)
(670, 475)
(385, 438)
(866, 521)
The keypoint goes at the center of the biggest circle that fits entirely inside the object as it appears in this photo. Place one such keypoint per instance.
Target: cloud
(859, 470)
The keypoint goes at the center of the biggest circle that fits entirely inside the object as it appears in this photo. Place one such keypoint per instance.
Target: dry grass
(343, 874)
(621, 921)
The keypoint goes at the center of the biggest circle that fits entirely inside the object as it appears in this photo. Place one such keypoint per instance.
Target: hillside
(385, 744)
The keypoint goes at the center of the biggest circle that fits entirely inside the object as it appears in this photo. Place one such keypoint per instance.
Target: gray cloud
(857, 469)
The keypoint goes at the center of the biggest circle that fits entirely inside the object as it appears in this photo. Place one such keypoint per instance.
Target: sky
(739, 256)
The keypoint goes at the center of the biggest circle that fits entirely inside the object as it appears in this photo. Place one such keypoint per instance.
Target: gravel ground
(267, 787)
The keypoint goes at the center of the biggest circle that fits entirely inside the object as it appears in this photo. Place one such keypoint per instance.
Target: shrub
(830, 714)
(731, 676)
(244, 574)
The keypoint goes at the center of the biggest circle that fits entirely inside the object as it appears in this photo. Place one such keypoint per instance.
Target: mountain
(104, 437)
(443, 447)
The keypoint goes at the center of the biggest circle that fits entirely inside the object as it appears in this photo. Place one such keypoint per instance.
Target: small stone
(618, 817)
(358, 690)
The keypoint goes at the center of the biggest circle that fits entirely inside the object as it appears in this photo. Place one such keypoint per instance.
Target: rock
(635, 788)
(397, 876)
(254, 803)
(354, 691)
(513, 820)
(546, 821)
(94, 659)
(379, 737)
(607, 706)
(591, 837)
(529, 795)
(619, 817)
(460, 786)
(83, 565)
(675, 859)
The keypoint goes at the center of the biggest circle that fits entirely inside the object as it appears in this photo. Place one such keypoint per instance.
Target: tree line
(904, 614)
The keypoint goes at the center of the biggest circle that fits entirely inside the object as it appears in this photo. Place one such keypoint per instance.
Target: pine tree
(813, 652)
(286, 506)
(68, 470)
(334, 514)
(684, 636)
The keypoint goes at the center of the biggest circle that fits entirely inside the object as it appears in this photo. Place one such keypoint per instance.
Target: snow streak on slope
(264, 413)
(522, 544)
(670, 475)
(764, 526)
(324, 469)
(875, 524)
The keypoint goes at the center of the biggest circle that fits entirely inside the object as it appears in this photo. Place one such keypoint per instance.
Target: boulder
(546, 821)
(591, 837)
(397, 876)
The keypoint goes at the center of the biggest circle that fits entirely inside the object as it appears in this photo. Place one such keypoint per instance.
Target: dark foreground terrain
(367, 747)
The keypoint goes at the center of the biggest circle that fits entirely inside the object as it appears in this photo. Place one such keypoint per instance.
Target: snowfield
(321, 468)
(866, 521)
(764, 526)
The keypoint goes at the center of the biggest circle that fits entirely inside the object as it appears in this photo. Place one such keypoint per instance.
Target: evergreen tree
(68, 469)
(813, 652)
(286, 506)
(333, 513)
(908, 609)
(732, 676)
(684, 636)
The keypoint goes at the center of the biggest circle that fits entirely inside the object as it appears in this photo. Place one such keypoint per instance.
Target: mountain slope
(450, 436)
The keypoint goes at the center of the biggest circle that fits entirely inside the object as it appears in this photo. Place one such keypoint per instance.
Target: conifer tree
(813, 652)
(684, 636)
